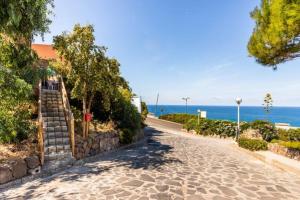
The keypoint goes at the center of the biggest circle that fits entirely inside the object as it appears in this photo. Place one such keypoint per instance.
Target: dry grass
(17, 151)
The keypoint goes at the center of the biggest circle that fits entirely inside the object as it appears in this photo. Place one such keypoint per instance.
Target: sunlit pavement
(166, 166)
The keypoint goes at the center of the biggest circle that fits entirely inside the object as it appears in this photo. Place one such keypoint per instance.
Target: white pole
(238, 129)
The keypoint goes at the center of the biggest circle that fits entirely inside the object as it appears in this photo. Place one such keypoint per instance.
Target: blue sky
(181, 48)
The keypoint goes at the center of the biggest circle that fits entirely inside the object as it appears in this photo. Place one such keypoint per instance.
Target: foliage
(289, 135)
(15, 95)
(288, 144)
(265, 128)
(268, 102)
(124, 112)
(144, 110)
(19, 22)
(221, 128)
(276, 36)
(253, 144)
(89, 70)
(178, 118)
(126, 136)
(25, 18)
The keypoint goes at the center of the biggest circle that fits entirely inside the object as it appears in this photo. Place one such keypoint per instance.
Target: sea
(290, 115)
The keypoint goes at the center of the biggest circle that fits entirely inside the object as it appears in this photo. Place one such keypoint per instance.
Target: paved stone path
(166, 166)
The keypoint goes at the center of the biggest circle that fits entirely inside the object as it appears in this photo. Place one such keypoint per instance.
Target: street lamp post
(186, 100)
(198, 111)
(238, 101)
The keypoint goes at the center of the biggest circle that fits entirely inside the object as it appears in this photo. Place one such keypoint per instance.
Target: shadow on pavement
(150, 154)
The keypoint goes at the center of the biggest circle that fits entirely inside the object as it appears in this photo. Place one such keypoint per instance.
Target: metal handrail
(68, 113)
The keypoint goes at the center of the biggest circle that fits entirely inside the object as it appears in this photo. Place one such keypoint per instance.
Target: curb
(269, 161)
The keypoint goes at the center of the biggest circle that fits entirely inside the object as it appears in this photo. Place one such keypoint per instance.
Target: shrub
(288, 144)
(252, 144)
(266, 129)
(294, 135)
(144, 110)
(178, 118)
(282, 134)
(126, 136)
(221, 128)
(289, 135)
(291, 145)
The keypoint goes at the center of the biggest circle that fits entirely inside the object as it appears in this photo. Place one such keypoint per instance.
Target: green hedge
(253, 144)
(288, 144)
(225, 128)
(289, 135)
(178, 118)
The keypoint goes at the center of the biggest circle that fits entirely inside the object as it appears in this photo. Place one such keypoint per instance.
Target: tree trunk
(83, 120)
(84, 112)
(88, 111)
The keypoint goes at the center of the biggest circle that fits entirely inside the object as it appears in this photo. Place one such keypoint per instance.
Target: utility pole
(156, 103)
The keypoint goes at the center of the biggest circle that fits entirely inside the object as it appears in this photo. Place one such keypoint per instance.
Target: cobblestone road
(166, 166)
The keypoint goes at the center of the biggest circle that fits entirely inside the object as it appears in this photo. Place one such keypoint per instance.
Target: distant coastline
(278, 114)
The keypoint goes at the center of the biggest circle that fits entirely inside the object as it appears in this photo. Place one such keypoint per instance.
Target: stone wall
(96, 143)
(284, 151)
(15, 169)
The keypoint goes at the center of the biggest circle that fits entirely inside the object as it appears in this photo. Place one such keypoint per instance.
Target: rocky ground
(166, 166)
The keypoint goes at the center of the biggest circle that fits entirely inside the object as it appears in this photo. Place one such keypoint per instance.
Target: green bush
(289, 135)
(253, 144)
(294, 135)
(178, 118)
(221, 128)
(288, 144)
(15, 112)
(266, 129)
(282, 134)
(291, 145)
(126, 136)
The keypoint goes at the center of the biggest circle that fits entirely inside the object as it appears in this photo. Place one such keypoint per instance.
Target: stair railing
(40, 126)
(68, 113)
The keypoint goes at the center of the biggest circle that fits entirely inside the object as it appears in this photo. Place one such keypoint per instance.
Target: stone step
(50, 91)
(57, 141)
(53, 114)
(55, 129)
(58, 163)
(57, 148)
(54, 124)
(58, 156)
(51, 98)
(51, 119)
(48, 135)
(52, 109)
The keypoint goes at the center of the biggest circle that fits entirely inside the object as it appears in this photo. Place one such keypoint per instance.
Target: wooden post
(72, 134)
(41, 141)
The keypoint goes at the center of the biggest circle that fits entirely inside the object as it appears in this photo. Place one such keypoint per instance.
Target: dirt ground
(17, 151)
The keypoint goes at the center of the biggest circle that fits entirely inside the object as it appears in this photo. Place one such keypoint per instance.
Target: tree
(87, 67)
(268, 103)
(21, 20)
(276, 36)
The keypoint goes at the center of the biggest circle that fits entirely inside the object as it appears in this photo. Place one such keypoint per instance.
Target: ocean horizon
(278, 114)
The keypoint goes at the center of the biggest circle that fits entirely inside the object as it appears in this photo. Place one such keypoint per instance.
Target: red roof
(44, 51)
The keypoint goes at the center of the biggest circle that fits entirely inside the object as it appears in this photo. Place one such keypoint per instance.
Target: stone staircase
(56, 137)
